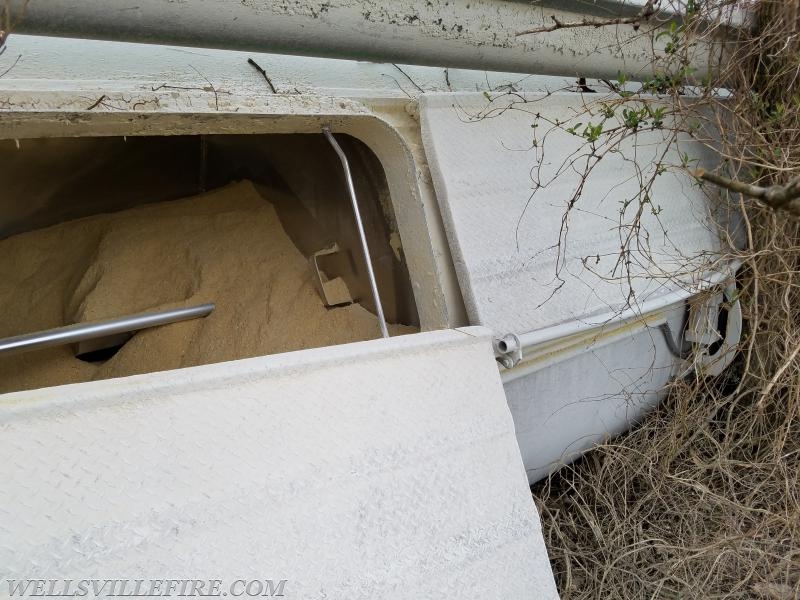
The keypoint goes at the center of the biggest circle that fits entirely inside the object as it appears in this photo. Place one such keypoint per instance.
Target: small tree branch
(780, 197)
(648, 10)
(14, 64)
(263, 72)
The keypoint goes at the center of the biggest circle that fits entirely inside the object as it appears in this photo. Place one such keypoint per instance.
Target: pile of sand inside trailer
(227, 247)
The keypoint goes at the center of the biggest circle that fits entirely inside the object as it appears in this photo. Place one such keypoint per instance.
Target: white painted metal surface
(593, 357)
(519, 270)
(47, 63)
(385, 469)
(575, 393)
(479, 34)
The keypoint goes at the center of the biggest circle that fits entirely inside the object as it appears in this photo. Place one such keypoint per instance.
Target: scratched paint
(476, 22)
(453, 33)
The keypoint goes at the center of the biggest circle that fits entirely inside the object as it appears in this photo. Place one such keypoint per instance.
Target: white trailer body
(515, 348)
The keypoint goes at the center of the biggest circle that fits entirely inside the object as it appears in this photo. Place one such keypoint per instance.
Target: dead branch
(781, 197)
(648, 10)
(210, 85)
(97, 103)
(263, 72)
(407, 76)
(14, 64)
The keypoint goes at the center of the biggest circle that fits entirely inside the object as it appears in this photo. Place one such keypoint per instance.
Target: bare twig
(258, 68)
(205, 88)
(783, 197)
(8, 70)
(414, 83)
(97, 102)
(644, 15)
(210, 86)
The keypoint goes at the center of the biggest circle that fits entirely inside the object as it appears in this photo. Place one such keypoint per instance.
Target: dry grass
(703, 499)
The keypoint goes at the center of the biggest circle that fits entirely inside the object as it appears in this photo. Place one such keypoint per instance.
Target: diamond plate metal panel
(384, 469)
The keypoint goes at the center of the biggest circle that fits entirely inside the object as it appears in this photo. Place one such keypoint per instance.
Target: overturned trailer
(262, 441)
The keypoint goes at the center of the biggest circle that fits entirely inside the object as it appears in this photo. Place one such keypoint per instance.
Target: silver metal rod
(86, 331)
(444, 33)
(367, 258)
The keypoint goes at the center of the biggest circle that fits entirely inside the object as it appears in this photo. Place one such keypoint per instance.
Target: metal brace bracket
(508, 350)
(334, 291)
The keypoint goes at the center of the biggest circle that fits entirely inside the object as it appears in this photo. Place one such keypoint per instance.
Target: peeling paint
(453, 33)
(194, 101)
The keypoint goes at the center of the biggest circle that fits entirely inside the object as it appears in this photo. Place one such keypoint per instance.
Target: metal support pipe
(364, 247)
(80, 332)
(471, 34)
(641, 313)
(532, 339)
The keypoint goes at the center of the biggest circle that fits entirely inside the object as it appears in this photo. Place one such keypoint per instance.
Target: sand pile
(226, 247)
